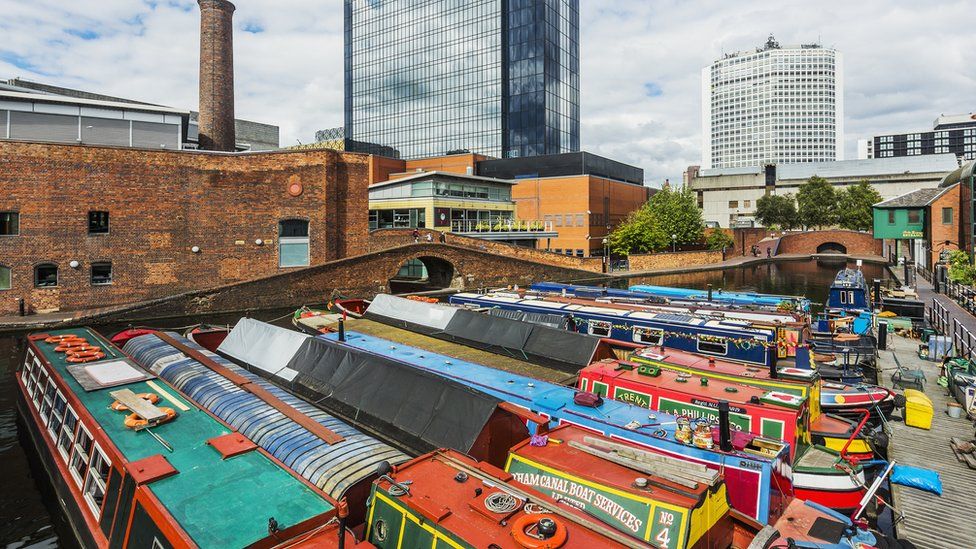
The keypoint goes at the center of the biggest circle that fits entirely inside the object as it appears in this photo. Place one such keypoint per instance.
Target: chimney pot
(216, 119)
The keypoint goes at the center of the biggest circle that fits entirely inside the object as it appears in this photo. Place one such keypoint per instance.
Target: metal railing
(963, 340)
(500, 226)
(939, 317)
(964, 295)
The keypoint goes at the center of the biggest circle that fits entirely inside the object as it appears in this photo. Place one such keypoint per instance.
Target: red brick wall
(940, 232)
(161, 204)
(857, 243)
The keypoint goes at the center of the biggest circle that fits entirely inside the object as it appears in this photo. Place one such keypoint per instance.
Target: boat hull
(28, 422)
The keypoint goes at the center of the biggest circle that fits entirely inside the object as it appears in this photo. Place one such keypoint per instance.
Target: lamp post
(606, 256)
(674, 243)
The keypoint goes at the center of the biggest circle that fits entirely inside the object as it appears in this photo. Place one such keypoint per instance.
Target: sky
(905, 62)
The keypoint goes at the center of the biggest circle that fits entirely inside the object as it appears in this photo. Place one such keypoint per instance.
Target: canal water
(29, 516)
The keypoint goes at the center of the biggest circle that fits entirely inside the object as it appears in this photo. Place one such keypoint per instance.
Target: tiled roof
(915, 199)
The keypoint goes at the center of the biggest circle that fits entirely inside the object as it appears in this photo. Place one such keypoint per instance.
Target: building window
(733, 203)
(101, 273)
(579, 252)
(97, 222)
(746, 203)
(914, 216)
(891, 217)
(9, 223)
(46, 275)
(946, 220)
(4, 278)
(293, 248)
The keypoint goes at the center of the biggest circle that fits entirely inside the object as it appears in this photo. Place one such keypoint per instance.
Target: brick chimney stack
(216, 75)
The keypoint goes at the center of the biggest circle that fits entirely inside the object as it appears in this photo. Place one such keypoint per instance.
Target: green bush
(961, 269)
(716, 239)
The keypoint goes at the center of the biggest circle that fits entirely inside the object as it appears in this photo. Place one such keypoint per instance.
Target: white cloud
(905, 62)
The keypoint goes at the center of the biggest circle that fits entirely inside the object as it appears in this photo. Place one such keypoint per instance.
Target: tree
(776, 210)
(961, 269)
(717, 239)
(668, 213)
(854, 206)
(817, 203)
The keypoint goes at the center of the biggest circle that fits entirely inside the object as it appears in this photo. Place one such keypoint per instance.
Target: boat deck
(456, 350)
(218, 502)
(931, 522)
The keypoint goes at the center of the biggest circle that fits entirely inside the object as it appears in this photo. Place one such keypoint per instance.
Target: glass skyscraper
(432, 77)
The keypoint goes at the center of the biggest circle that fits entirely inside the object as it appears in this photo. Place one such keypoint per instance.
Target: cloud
(640, 62)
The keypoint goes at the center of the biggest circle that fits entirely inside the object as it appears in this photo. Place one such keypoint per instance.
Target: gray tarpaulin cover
(483, 330)
(553, 321)
(430, 315)
(380, 392)
(263, 346)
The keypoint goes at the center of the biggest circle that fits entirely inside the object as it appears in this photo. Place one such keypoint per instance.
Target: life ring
(133, 421)
(85, 356)
(524, 539)
(846, 337)
(152, 398)
(69, 344)
(60, 338)
(82, 349)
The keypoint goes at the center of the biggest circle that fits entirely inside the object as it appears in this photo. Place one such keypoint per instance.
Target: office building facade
(954, 134)
(436, 77)
(773, 105)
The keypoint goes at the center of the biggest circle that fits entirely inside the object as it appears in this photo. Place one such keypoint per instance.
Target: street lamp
(674, 243)
(606, 256)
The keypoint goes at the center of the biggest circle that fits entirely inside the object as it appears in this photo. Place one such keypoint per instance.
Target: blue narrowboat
(735, 340)
(849, 291)
(796, 303)
(758, 472)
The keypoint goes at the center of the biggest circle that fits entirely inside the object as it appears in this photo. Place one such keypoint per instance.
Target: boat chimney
(216, 117)
(724, 426)
(709, 292)
(876, 290)
(342, 511)
(342, 330)
(773, 372)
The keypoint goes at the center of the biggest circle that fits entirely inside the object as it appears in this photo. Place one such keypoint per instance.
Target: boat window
(57, 415)
(713, 347)
(599, 328)
(850, 297)
(649, 336)
(39, 389)
(48, 401)
(32, 382)
(25, 372)
(67, 432)
(94, 488)
(80, 455)
(293, 243)
(843, 298)
(46, 275)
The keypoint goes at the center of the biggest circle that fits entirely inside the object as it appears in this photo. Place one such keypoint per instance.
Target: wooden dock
(930, 521)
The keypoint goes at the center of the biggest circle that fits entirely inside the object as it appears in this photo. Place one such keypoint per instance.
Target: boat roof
(458, 504)
(218, 502)
(698, 362)
(697, 385)
(593, 308)
(547, 398)
(569, 459)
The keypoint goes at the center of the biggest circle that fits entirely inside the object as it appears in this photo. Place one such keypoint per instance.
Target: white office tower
(773, 105)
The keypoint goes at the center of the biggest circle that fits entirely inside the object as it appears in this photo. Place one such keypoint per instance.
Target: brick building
(92, 226)
(921, 226)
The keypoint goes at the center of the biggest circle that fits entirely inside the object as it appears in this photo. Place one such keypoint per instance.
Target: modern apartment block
(954, 134)
(773, 105)
(440, 77)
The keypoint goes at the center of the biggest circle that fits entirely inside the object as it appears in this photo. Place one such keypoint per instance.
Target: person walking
(416, 236)
(429, 238)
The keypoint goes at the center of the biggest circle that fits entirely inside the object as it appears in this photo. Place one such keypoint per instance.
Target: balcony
(505, 229)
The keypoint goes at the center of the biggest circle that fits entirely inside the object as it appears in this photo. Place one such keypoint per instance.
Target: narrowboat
(757, 473)
(788, 302)
(136, 463)
(849, 291)
(825, 427)
(660, 500)
(792, 329)
(447, 499)
(819, 474)
(313, 321)
(732, 340)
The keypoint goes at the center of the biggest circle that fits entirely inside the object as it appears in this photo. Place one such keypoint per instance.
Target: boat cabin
(137, 464)
(849, 291)
(664, 501)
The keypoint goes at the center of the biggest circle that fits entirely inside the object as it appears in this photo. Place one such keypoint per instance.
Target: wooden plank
(141, 407)
(656, 470)
(663, 465)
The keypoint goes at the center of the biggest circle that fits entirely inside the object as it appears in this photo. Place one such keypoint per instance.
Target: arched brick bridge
(830, 241)
(449, 265)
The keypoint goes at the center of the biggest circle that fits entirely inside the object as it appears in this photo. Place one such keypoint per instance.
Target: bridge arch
(425, 273)
(831, 248)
